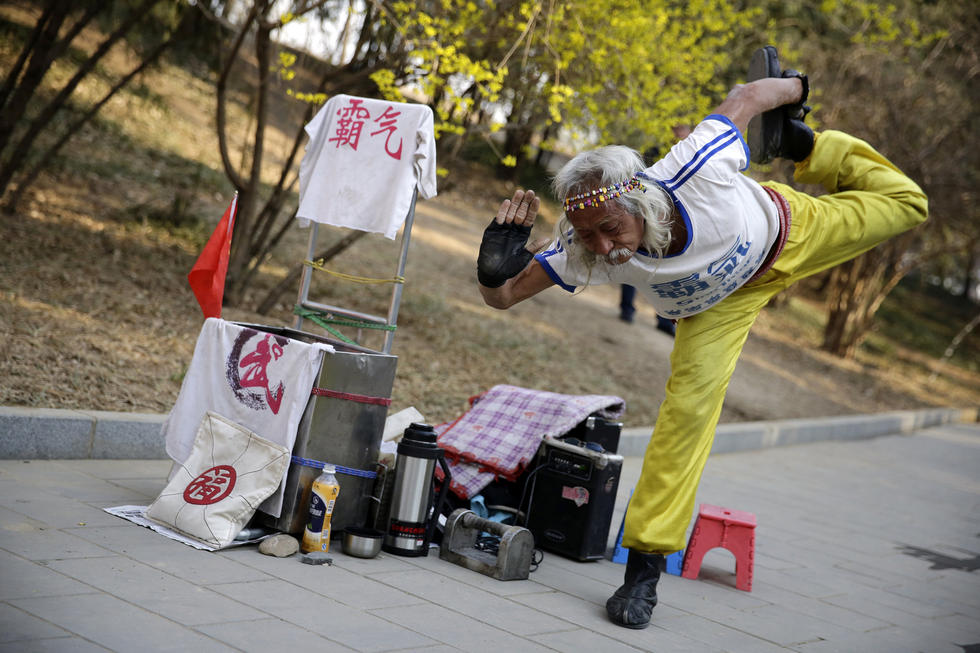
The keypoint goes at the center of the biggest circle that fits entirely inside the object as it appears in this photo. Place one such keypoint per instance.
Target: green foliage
(163, 19)
(438, 36)
(528, 175)
(600, 70)
(645, 68)
(606, 70)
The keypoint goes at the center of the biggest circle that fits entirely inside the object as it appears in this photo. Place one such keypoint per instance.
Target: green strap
(320, 319)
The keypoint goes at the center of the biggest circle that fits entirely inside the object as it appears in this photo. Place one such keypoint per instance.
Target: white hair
(606, 166)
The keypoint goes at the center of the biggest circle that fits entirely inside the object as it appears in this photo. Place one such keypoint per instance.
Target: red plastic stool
(730, 529)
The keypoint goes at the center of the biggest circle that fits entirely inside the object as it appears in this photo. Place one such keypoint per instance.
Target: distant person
(709, 247)
(627, 295)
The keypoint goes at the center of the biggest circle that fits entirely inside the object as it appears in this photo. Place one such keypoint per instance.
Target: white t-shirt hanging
(363, 161)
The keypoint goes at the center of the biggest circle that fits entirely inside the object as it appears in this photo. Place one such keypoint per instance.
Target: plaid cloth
(504, 427)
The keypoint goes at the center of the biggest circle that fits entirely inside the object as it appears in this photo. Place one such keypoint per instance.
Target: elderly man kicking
(709, 247)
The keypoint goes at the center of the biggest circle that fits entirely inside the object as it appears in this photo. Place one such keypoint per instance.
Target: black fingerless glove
(502, 253)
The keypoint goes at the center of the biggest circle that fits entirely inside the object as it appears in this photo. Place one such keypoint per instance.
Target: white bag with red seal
(213, 494)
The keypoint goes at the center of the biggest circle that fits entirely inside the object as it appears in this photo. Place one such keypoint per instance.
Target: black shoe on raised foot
(779, 132)
(633, 603)
(797, 140)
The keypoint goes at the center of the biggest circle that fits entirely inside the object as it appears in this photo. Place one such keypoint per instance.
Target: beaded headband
(598, 195)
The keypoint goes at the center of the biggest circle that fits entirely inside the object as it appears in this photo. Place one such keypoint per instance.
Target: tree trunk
(13, 74)
(972, 265)
(19, 154)
(252, 242)
(40, 51)
(247, 201)
(243, 242)
(853, 287)
(954, 343)
(255, 227)
(28, 178)
(856, 290)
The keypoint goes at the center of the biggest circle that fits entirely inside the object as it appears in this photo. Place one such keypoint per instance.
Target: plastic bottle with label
(323, 496)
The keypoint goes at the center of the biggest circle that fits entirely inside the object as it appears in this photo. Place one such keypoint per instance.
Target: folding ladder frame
(391, 320)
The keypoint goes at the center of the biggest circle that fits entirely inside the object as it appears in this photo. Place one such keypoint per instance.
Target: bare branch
(21, 149)
(39, 28)
(28, 178)
(221, 117)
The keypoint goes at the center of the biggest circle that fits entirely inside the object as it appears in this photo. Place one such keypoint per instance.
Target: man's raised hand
(503, 252)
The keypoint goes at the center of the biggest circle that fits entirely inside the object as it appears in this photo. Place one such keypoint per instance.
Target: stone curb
(51, 433)
(749, 436)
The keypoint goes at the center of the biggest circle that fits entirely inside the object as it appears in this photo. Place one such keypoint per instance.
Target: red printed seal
(211, 486)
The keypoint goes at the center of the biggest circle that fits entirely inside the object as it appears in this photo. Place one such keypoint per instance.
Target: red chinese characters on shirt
(256, 366)
(351, 123)
(248, 374)
(211, 486)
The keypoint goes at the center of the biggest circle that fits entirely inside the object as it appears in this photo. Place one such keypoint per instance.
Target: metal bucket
(337, 431)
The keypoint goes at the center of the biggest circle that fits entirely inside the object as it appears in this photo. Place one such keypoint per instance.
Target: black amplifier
(573, 498)
(597, 429)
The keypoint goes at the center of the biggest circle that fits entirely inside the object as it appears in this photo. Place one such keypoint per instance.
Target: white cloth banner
(363, 162)
(253, 378)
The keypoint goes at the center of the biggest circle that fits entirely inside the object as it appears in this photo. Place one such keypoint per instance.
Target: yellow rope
(318, 265)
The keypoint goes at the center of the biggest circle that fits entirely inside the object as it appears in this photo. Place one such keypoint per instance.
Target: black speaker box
(597, 429)
(573, 499)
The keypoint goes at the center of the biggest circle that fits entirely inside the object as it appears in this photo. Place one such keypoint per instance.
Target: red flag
(207, 277)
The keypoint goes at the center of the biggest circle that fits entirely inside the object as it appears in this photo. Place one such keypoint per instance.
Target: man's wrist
(490, 281)
(804, 84)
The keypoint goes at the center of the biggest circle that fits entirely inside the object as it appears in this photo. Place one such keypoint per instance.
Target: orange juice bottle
(316, 535)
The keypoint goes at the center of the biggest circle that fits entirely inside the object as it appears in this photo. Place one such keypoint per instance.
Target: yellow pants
(870, 201)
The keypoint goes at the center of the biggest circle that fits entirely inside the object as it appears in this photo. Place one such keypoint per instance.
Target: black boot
(797, 140)
(633, 602)
(779, 132)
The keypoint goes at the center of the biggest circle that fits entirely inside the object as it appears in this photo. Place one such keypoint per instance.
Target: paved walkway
(862, 546)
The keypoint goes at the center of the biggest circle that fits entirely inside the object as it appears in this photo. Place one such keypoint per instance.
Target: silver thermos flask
(414, 510)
